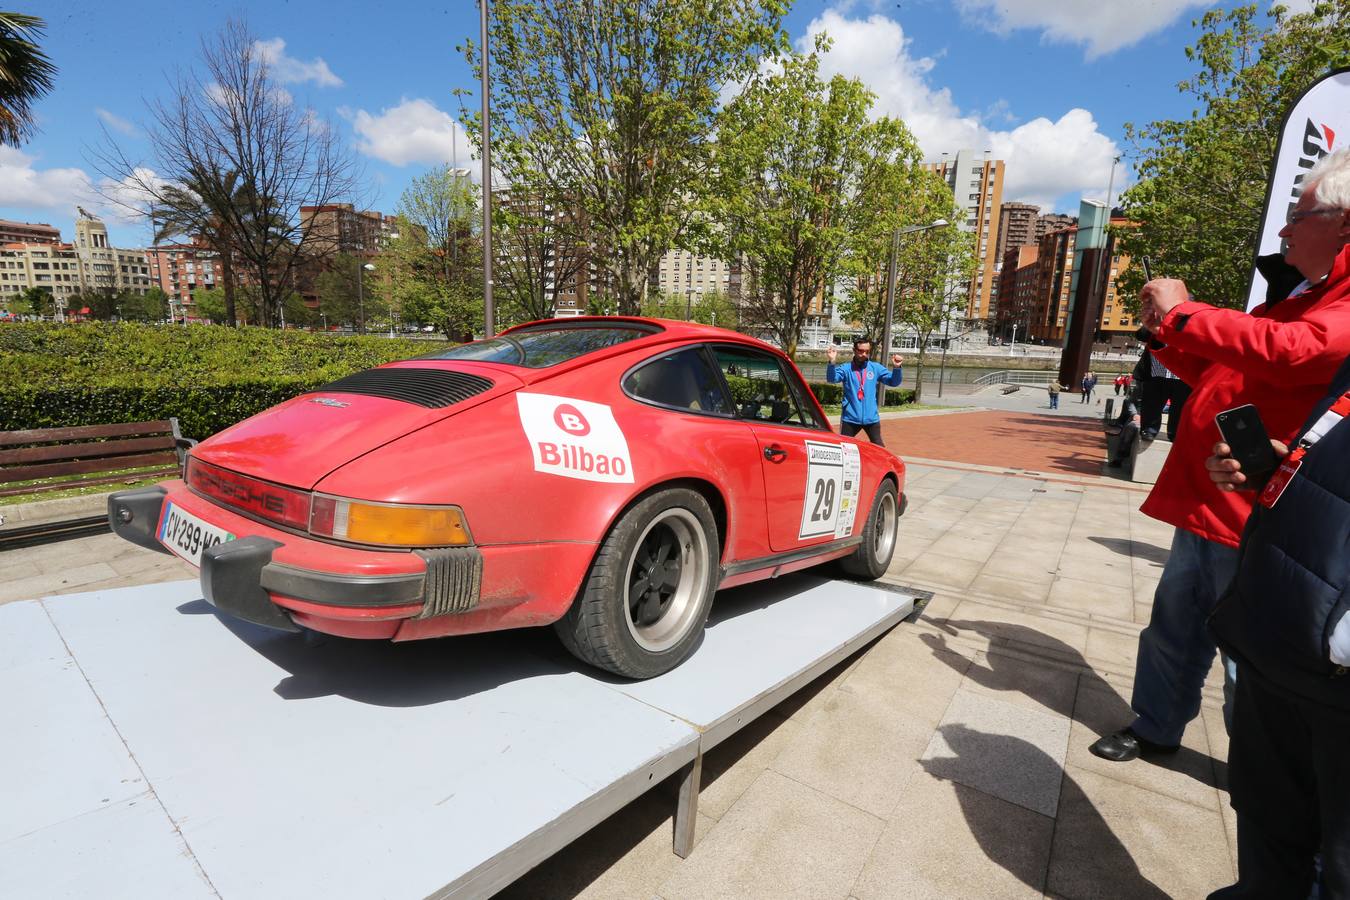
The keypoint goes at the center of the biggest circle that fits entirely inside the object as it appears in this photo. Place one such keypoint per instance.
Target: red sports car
(603, 475)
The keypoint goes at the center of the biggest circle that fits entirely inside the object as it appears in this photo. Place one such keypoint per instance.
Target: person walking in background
(1161, 388)
(1120, 381)
(1092, 386)
(862, 380)
(1054, 388)
(1084, 387)
(1280, 357)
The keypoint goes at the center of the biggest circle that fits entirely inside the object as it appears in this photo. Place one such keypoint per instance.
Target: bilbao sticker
(574, 438)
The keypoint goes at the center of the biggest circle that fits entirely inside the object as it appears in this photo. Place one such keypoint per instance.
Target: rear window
(538, 348)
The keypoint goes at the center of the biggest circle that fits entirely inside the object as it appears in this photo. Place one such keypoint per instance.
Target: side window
(763, 389)
(681, 380)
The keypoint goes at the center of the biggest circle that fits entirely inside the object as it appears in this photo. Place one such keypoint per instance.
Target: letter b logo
(569, 419)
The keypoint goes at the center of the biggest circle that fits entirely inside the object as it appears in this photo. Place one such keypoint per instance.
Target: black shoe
(1124, 746)
(1114, 464)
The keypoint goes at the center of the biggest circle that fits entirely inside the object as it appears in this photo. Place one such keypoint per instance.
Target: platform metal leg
(686, 814)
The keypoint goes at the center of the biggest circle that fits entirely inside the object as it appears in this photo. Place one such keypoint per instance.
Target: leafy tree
(231, 137)
(152, 306)
(34, 301)
(26, 75)
(612, 104)
(419, 291)
(1203, 179)
(336, 288)
(539, 248)
(926, 199)
(932, 285)
(209, 304)
(196, 209)
(802, 169)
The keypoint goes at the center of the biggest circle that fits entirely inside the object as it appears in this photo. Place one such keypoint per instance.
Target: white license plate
(187, 536)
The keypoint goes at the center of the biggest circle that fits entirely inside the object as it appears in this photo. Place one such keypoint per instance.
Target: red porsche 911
(603, 475)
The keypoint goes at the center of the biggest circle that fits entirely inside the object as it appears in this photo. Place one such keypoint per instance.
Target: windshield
(543, 347)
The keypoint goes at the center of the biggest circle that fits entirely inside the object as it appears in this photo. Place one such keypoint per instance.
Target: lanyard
(1290, 465)
(861, 375)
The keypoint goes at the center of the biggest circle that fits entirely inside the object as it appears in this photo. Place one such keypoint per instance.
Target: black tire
(872, 557)
(628, 624)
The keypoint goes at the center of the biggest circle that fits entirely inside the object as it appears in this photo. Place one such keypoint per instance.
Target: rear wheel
(872, 557)
(646, 598)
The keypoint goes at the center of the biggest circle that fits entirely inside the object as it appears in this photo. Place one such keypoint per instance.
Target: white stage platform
(153, 749)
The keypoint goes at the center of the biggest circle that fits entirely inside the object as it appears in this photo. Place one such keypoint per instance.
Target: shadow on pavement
(1081, 832)
(1103, 711)
(1124, 547)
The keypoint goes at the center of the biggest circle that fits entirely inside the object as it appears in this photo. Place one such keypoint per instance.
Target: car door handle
(775, 454)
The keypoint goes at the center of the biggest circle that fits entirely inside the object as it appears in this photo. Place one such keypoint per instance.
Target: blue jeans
(1054, 401)
(1176, 649)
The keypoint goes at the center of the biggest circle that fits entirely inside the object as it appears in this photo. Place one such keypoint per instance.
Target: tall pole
(946, 339)
(360, 297)
(489, 312)
(890, 296)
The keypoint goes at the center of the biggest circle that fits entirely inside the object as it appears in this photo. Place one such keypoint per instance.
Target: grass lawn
(134, 478)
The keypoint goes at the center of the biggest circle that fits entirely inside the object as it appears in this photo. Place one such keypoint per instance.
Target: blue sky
(1046, 85)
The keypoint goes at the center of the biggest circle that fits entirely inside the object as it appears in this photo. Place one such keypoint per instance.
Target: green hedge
(126, 354)
(209, 377)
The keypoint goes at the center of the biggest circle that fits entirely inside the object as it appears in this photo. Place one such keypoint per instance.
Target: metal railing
(1015, 376)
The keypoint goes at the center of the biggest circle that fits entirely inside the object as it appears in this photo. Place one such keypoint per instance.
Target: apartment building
(28, 233)
(977, 186)
(91, 263)
(180, 269)
(341, 228)
(681, 273)
(1043, 313)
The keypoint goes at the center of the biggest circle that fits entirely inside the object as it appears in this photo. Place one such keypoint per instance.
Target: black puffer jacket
(1293, 579)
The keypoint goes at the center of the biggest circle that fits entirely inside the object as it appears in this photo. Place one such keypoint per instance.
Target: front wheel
(646, 598)
(872, 557)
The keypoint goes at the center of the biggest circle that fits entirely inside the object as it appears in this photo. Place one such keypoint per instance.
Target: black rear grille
(432, 388)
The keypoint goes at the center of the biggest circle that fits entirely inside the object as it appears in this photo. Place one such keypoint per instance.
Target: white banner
(1318, 124)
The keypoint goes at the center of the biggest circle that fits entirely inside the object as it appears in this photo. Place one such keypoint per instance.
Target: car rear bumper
(283, 580)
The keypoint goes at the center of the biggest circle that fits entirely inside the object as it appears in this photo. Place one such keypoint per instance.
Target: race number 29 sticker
(574, 438)
(824, 489)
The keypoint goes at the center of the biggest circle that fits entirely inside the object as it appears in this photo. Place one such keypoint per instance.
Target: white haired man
(1280, 358)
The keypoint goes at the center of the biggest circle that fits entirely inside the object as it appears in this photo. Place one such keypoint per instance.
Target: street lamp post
(1013, 345)
(361, 296)
(890, 281)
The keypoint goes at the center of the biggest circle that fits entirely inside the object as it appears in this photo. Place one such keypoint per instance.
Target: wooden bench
(1011, 388)
(84, 455)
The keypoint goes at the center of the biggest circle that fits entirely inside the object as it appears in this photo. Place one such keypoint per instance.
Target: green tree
(613, 104)
(932, 285)
(201, 207)
(26, 75)
(152, 306)
(34, 301)
(1203, 179)
(209, 304)
(926, 199)
(336, 288)
(419, 291)
(802, 169)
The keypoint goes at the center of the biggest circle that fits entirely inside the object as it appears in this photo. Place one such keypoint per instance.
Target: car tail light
(388, 524)
(283, 505)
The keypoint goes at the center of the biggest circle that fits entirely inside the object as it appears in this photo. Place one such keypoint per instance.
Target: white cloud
(1102, 27)
(289, 70)
(415, 131)
(1045, 158)
(115, 122)
(24, 185)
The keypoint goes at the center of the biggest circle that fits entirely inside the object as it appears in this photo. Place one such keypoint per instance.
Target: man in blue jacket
(862, 379)
(1286, 621)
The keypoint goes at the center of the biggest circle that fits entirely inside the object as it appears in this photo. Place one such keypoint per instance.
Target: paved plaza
(947, 759)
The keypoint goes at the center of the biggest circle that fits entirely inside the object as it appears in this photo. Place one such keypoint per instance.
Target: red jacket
(1280, 358)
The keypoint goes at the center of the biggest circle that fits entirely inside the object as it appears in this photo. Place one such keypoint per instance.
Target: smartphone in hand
(1246, 437)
